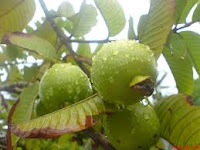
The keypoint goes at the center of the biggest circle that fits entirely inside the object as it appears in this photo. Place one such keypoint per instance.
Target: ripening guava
(63, 83)
(123, 72)
(136, 128)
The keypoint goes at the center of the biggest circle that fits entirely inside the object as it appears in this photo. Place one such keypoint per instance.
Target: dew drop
(115, 52)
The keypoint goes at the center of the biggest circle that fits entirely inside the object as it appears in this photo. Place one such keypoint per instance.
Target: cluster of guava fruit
(123, 73)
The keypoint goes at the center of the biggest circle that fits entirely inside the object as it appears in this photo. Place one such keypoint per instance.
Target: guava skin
(63, 83)
(136, 128)
(41, 109)
(116, 65)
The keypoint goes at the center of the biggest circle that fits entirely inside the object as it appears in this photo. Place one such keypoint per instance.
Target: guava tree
(108, 97)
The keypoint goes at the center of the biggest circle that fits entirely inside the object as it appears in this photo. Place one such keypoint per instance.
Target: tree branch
(62, 37)
(185, 26)
(91, 41)
(14, 87)
(99, 139)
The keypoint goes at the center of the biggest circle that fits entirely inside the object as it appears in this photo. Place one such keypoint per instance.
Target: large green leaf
(24, 108)
(158, 25)
(84, 20)
(73, 118)
(15, 15)
(31, 43)
(185, 11)
(192, 40)
(179, 120)
(46, 32)
(180, 64)
(113, 15)
(66, 9)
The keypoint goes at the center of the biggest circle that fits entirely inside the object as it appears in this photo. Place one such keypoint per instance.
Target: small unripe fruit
(136, 128)
(123, 72)
(63, 83)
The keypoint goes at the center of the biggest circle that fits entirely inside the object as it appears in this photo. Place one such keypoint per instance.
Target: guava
(123, 72)
(63, 84)
(135, 128)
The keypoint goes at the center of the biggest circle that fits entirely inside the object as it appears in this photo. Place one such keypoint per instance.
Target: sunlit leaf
(158, 25)
(84, 20)
(113, 15)
(73, 118)
(65, 9)
(131, 32)
(192, 41)
(14, 74)
(11, 13)
(179, 120)
(31, 43)
(180, 64)
(46, 32)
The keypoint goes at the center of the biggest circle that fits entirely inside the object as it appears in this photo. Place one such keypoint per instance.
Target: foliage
(26, 53)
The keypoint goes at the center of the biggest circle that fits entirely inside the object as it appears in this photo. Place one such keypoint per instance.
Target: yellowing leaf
(179, 120)
(15, 15)
(31, 43)
(73, 118)
(113, 15)
(158, 25)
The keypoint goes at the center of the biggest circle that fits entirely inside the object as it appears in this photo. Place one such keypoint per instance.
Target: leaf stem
(185, 26)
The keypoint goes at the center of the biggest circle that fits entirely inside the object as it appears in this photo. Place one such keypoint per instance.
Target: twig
(14, 87)
(62, 37)
(3, 101)
(99, 139)
(185, 26)
(91, 41)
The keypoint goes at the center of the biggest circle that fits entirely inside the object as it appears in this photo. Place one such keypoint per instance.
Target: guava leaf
(113, 15)
(11, 13)
(192, 41)
(70, 119)
(66, 9)
(185, 11)
(84, 50)
(31, 43)
(179, 120)
(23, 110)
(84, 20)
(141, 24)
(180, 6)
(131, 32)
(180, 64)
(196, 14)
(158, 25)
(46, 32)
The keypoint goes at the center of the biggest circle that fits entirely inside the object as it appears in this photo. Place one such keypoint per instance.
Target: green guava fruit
(61, 84)
(135, 128)
(123, 72)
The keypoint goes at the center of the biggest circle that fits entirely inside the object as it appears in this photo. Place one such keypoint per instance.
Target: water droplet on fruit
(76, 83)
(104, 58)
(115, 52)
(127, 56)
